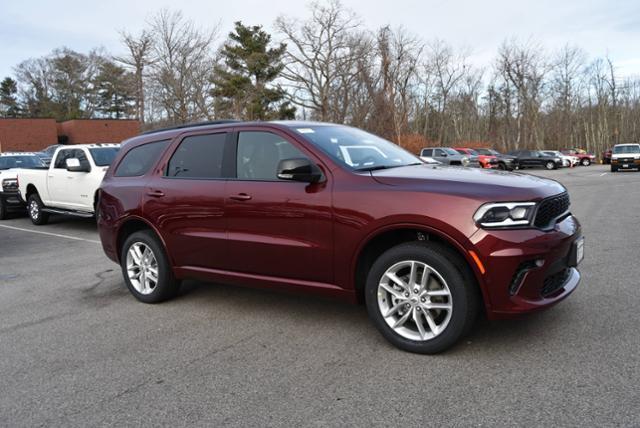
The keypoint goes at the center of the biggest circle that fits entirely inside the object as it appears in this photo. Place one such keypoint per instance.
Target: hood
(481, 184)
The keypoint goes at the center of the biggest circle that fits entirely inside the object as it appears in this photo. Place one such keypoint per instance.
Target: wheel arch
(382, 239)
(136, 224)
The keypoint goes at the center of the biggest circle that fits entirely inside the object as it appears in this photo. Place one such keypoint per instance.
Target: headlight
(505, 214)
(9, 184)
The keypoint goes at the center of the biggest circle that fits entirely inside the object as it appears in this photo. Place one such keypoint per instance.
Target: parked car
(625, 156)
(606, 156)
(535, 159)
(430, 161)
(69, 186)
(10, 164)
(567, 160)
(505, 162)
(586, 159)
(486, 161)
(47, 154)
(277, 205)
(449, 156)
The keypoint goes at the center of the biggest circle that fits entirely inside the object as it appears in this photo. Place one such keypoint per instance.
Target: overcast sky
(30, 28)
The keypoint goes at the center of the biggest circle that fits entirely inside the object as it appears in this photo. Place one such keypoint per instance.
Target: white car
(625, 156)
(10, 165)
(70, 185)
(567, 160)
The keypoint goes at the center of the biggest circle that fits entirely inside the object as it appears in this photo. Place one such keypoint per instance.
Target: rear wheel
(550, 165)
(585, 162)
(146, 268)
(34, 208)
(418, 299)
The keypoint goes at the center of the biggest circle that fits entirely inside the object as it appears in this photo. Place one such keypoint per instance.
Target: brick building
(27, 135)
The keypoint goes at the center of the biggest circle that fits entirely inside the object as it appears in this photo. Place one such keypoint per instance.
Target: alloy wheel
(142, 268)
(34, 210)
(415, 300)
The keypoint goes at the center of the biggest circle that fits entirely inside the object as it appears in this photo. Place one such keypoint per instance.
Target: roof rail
(189, 125)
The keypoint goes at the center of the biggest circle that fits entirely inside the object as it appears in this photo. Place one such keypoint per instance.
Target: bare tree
(182, 66)
(321, 53)
(139, 57)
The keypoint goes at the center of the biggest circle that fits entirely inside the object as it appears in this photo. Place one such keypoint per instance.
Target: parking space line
(75, 238)
(604, 173)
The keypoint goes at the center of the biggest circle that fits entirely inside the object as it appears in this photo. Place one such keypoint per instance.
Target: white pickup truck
(70, 185)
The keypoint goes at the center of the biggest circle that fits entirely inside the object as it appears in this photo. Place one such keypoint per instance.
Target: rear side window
(427, 152)
(198, 156)
(140, 159)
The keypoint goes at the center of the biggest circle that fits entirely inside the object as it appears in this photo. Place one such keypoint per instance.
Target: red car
(585, 159)
(334, 211)
(486, 161)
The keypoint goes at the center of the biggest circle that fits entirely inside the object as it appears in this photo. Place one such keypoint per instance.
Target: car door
(185, 200)
(277, 228)
(440, 155)
(81, 185)
(58, 180)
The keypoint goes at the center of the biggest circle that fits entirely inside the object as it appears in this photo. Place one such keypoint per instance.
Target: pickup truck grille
(550, 209)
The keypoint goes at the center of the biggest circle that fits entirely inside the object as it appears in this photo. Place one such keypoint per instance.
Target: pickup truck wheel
(585, 162)
(34, 208)
(418, 299)
(614, 168)
(146, 268)
(3, 210)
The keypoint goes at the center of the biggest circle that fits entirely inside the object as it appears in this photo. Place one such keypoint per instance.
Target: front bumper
(528, 269)
(12, 201)
(626, 163)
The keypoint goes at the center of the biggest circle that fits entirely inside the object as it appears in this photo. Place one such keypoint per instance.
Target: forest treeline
(329, 66)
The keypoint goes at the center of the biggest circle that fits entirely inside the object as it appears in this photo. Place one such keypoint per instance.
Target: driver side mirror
(74, 165)
(299, 169)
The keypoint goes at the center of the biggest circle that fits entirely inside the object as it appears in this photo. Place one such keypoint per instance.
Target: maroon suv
(335, 211)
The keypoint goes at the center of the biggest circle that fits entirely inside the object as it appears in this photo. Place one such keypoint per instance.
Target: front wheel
(146, 268)
(614, 168)
(585, 162)
(3, 210)
(34, 207)
(418, 299)
(550, 165)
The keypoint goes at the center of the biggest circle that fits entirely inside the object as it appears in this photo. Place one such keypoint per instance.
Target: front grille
(550, 209)
(554, 282)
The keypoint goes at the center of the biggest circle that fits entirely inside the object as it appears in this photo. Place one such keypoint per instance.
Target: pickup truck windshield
(104, 155)
(7, 162)
(631, 148)
(356, 149)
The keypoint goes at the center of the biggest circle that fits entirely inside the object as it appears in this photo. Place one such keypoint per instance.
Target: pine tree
(115, 90)
(9, 106)
(244, 85)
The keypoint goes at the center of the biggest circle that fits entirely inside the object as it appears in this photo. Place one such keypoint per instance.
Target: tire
(146, 290)
(444, 277)
(550, 165)
(3, 210)
(34, 209)
(585, 162)
(502, 166)
(614, 168)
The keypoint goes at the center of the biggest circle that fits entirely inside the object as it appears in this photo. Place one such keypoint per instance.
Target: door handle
(240, 197)
(155, 193)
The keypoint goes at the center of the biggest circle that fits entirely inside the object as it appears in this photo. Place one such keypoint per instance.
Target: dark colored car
(486, 161)
(535, 159)
(606, 156)
(585, 159)
(449, 156)
(505, 162)
(277, 205)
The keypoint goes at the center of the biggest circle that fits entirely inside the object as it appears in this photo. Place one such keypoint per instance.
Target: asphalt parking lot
(76, 349)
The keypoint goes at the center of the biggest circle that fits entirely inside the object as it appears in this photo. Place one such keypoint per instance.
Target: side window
(259, 154)
(439, 152)
(198, 156)
(140, 159)
(62, 157)
(427, 152)
(80, 155)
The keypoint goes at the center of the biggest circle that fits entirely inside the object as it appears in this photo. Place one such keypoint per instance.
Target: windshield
(26, 161)
(631, 148)
(552, 153)
(488, 152)
(104, 155)
(356, 149)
